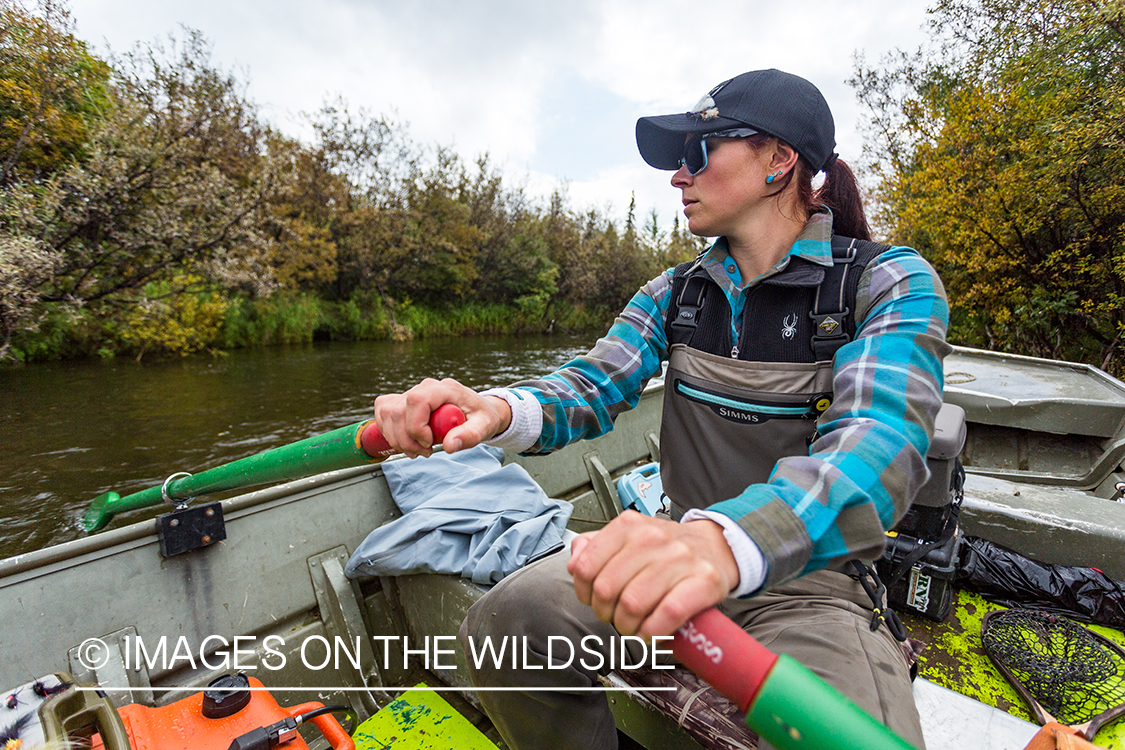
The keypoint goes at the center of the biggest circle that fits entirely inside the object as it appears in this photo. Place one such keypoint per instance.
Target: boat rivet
(207, 539)
(174, 522)
(210, 512)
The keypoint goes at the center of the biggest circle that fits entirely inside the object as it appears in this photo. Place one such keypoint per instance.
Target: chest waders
(732, 409)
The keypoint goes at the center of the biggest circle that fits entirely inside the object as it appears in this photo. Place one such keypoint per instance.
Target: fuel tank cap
(226, 695)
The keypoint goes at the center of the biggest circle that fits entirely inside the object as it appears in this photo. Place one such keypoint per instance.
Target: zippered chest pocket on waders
(719, 436)
(752, 411)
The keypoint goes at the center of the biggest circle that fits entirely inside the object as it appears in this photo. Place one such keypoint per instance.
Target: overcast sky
(551, 90)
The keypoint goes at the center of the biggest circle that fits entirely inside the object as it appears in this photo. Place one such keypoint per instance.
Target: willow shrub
(277, 319)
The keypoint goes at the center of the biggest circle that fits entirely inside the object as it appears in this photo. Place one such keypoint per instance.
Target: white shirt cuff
(751, 561)
(527, 420)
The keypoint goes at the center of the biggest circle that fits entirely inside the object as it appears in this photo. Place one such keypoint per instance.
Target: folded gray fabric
(462, 513)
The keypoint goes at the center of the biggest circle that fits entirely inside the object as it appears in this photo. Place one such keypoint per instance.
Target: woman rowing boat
(804, 375)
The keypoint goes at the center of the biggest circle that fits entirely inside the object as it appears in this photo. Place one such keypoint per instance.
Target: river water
(70, 431)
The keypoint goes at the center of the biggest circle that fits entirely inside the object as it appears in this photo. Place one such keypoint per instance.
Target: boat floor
(951, 721)
(956, 692)
(955, 659)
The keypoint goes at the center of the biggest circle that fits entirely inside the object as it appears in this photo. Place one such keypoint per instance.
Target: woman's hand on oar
(647, 575)
(404, 418)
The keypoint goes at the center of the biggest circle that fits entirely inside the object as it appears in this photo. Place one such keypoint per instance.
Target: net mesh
(1072, 673)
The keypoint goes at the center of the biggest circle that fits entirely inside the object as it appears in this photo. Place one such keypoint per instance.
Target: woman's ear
(784, 158)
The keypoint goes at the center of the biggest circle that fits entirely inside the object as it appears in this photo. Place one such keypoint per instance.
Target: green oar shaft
(784, 701)
(338, 449)
(796, 710)
(355, 445)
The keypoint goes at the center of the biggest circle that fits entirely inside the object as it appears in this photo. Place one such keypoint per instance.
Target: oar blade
(100, 512)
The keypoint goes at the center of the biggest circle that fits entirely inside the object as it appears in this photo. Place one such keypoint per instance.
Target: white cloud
(551, 90)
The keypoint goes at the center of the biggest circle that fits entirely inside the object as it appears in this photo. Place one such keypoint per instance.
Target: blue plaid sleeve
(833, 505)
(581, 399)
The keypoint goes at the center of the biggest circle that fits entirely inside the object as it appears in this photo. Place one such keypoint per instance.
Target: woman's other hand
(404, 418)
(648, 576)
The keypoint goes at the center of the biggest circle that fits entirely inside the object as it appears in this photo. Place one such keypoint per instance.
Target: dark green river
(70, 431)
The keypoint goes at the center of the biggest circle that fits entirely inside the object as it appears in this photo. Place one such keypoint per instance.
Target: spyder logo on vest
(789, 326)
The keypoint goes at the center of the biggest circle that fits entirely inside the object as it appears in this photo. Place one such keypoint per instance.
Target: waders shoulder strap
(832, 315)
(687, 308)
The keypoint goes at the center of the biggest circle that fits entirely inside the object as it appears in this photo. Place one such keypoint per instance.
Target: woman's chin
(698, 226)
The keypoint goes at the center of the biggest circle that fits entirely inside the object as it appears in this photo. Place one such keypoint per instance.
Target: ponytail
(840, 192)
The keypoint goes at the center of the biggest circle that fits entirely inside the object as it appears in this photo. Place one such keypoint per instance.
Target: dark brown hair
(839, 191)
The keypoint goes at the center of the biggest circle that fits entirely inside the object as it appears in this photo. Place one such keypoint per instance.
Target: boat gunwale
(146, 531)
(981, 405)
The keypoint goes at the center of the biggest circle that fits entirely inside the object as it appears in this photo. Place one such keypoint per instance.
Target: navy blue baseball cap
(768, 101)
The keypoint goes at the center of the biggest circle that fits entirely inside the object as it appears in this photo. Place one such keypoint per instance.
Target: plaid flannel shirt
(869, 461)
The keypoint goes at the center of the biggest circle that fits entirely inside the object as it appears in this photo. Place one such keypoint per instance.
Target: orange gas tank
(212, 719)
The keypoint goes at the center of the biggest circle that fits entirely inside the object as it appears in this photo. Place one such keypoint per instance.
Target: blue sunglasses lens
(695, 148)
(695, 155)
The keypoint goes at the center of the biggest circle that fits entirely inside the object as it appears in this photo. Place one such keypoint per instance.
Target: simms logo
(701, 642)
(737, 414)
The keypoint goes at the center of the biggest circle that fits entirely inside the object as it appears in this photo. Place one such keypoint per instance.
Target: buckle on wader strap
(869, 579)
(687, 310)
(830, 331)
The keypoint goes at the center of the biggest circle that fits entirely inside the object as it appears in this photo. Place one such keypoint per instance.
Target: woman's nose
(681, 177)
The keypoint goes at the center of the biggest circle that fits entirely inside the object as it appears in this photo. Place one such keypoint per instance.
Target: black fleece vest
(803, 314)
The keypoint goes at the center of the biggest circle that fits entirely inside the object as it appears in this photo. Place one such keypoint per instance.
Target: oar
(355, 445)
(783, 701)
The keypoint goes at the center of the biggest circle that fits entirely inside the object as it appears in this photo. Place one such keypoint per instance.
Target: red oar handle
(444, 419)
(784, 702)
(725, 655)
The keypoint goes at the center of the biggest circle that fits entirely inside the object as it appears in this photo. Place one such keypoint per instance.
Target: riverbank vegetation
(146, 208)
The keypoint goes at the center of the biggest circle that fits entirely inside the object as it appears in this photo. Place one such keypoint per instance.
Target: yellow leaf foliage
(1001, 153)
(171, 319)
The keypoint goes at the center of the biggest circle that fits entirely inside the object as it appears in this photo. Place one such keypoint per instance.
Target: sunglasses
(695, 147)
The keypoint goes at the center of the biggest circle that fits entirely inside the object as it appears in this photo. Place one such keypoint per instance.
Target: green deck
(955, 659)
(419, 720)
